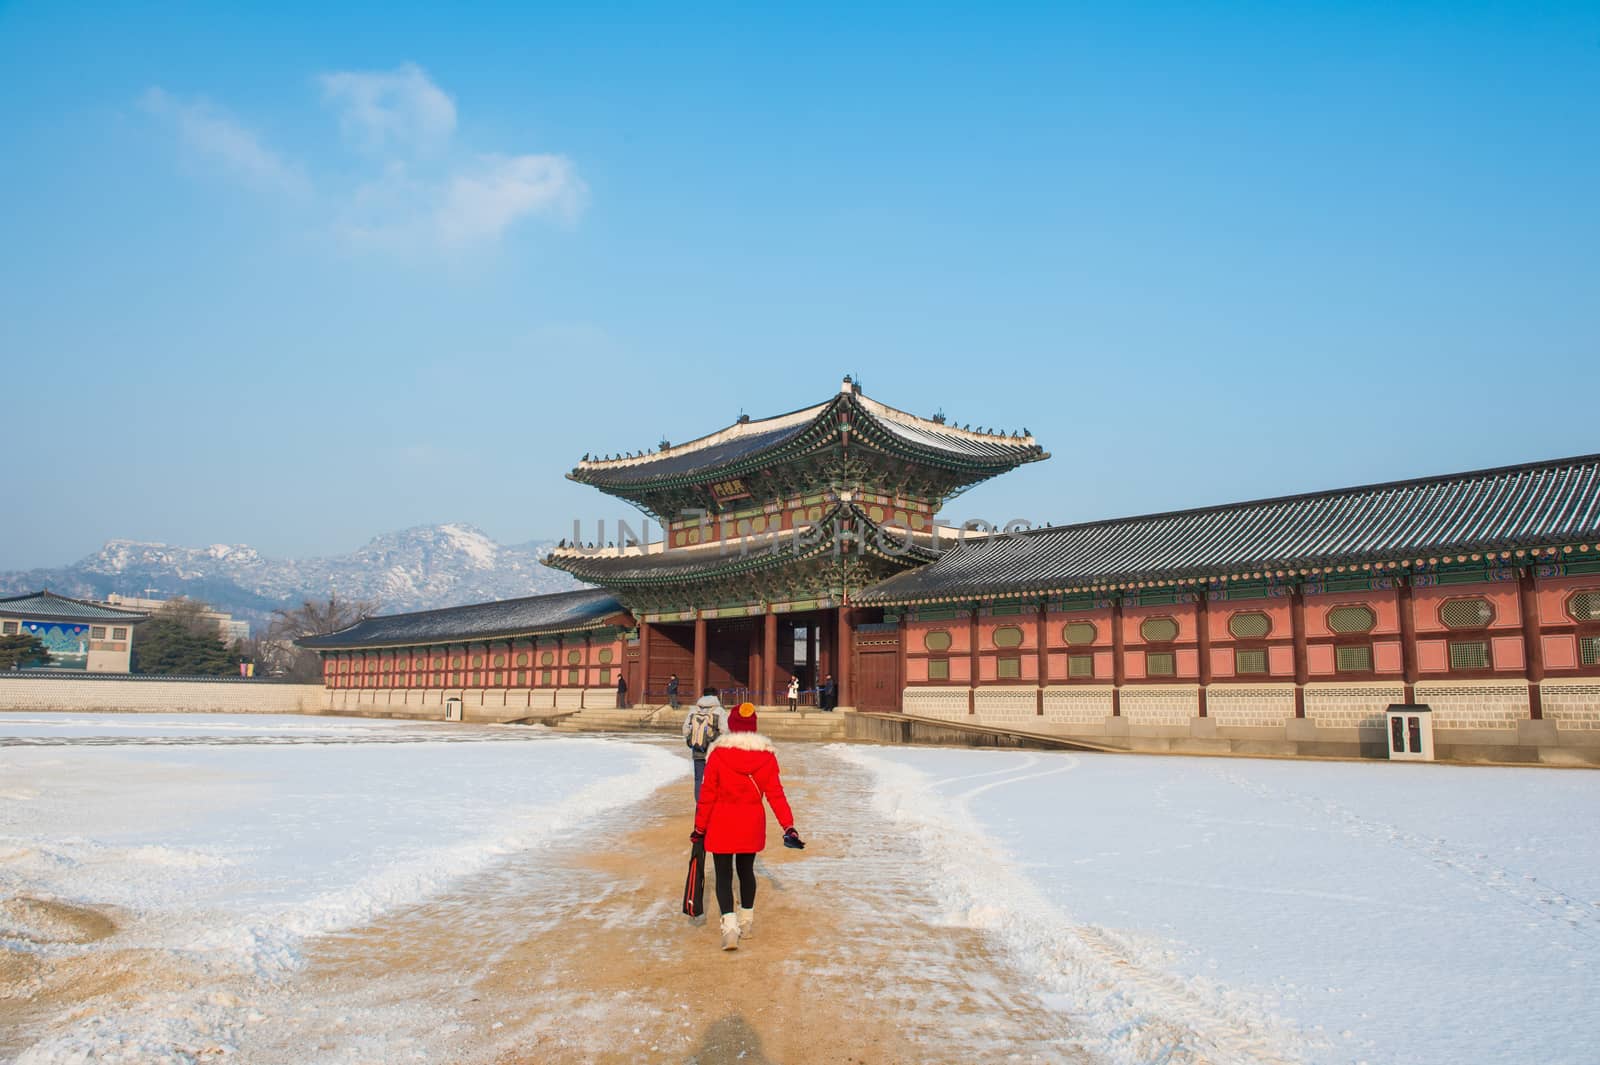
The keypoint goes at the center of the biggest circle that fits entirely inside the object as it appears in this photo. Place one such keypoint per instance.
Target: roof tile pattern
(1539, 504)
(46, 604)
(561, 612)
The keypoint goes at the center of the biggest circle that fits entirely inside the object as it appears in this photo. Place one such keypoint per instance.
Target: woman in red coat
(741, 770)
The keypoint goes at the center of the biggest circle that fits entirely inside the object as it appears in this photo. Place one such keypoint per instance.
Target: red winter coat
(740, 770)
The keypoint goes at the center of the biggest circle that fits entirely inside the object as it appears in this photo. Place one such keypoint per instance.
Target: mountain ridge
(424, 567)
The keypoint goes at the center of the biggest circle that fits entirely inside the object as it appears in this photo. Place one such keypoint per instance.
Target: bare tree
(277, 654)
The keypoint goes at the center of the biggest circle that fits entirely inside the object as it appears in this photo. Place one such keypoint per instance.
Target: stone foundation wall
(1077, 705)
(1161, 704)
(1014, 706)
(18, 691)
(1347, 706)
(1571, 704)
(945, 703)
(1487, 704)
(1250, 705)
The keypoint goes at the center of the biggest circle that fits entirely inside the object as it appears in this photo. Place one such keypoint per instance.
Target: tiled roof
(1514, 507)
(746, 443)
(49, 605)
(589, 608)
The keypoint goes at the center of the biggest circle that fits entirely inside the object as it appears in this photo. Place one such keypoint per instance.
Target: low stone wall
(1473, 721)
(135, 694)
(477, 704)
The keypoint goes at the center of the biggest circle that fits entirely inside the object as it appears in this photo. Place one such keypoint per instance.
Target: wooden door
(878, 680)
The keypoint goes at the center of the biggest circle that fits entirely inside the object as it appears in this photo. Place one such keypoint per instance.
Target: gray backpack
(703, 730)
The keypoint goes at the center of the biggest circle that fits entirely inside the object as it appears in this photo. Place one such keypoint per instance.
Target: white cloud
(218, 137)
(397, 108)
(482, 204)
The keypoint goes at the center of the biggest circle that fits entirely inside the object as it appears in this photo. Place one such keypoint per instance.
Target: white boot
(730, 931)
(747, 921)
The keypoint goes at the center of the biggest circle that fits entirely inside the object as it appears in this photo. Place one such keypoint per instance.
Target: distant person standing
(672, 691)
(705, 721)
(622, 690)
(794, 693)
(829, 695)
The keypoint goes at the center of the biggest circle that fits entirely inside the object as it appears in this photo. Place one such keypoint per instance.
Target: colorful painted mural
(67, 642)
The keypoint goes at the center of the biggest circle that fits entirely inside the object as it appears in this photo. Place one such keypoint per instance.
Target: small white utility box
(452, 712)
(1410, 733)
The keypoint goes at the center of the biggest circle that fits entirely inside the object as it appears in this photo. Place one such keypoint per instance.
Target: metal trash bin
(1410, 732)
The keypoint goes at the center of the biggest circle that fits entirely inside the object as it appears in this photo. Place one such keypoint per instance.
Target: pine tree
(21, 651)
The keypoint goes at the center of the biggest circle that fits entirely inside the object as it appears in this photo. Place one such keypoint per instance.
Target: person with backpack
(705, 721)
(730, 820)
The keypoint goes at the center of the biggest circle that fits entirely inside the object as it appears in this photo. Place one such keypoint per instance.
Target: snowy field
(1168, 909)
(228, 840)
(1338, 912)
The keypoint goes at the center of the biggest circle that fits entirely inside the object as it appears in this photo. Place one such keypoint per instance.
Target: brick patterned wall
(1077, 704)
(1013, 705)
(1571, 704)
(1350, 705)
(947, 704)
(1161, 704)
(157, 696)
(1480, 705)
(1256, 705)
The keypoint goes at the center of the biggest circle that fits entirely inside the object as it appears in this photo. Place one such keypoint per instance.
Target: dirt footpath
(847, 964)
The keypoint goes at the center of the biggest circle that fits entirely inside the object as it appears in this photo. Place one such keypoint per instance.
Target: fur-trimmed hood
(741, 741)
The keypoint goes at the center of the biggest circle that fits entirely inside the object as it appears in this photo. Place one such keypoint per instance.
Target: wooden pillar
(1297, 626)
(1408, 639)
(1202, 615)
(1119, 674)
(769, 659)
(644, 661)
(699, 657)
(846, 657)
(1532, 649)
(972, 661)
(1041, 631)
(901, 639)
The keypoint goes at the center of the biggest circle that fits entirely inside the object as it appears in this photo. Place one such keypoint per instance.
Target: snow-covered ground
(227, 840)
(1334, 912)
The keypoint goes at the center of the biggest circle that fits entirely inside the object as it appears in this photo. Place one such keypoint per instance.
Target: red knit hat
(742, 718)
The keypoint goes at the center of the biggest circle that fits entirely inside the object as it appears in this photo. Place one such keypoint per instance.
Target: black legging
(725, 865)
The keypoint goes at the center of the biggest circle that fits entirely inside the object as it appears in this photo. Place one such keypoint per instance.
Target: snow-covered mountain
(415, 569)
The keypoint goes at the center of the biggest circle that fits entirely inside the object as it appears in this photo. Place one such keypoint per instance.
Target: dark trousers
(725, 865)
(699, 775)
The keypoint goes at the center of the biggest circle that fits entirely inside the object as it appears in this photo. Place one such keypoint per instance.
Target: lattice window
(477, 661)
(1008, 668)
(605, 656)
(97, 632)
(1469, 654)
(546, 677)
(1078, 633)
(1355, 658)
(547, 658)
(938, 669)
(1249, 625)
(574, 676)
(1589, 650)
(1163, 664)
(119, 634)
(1250, 661)
(1347, 619)
(1159, 630)
(1584, 606)
(499, 660)
(574, 657)
(1008, 636)
(1472, 613)
(605, 676)
(936, 640)
(11, 628)
(1080, 665)
(522, 659)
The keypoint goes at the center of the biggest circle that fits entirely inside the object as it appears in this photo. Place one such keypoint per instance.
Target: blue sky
(293, 277)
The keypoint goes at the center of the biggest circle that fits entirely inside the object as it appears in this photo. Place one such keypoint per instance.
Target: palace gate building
(812, 544)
